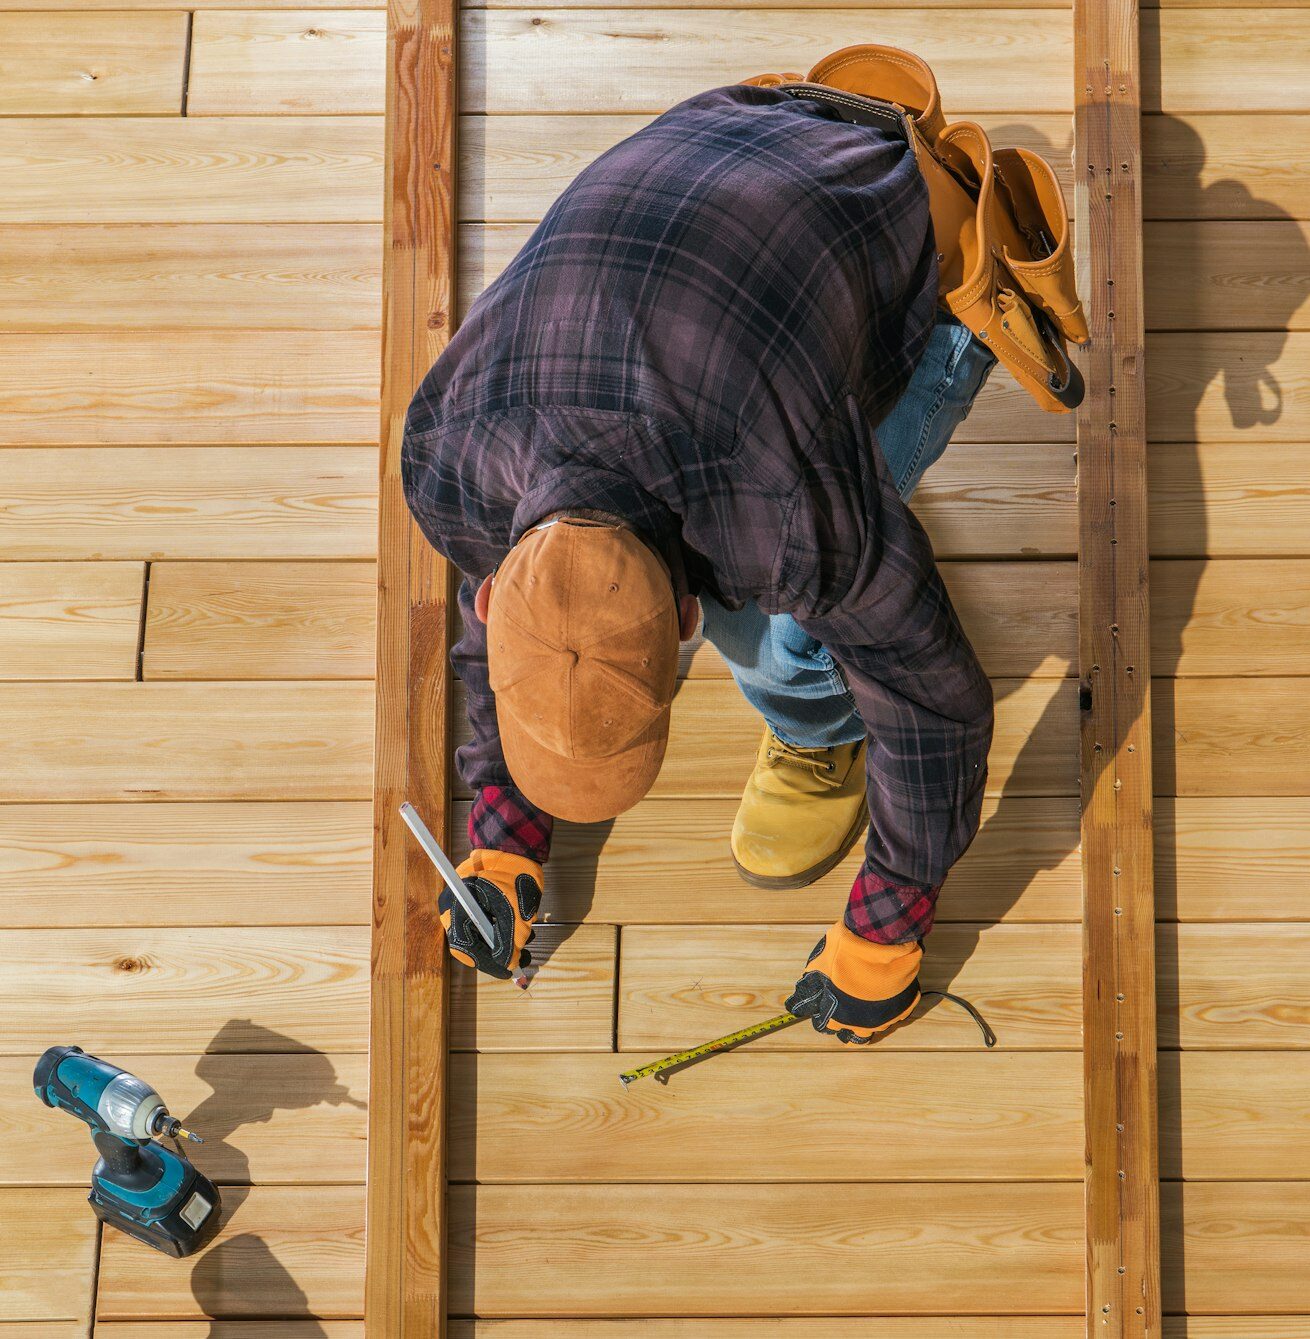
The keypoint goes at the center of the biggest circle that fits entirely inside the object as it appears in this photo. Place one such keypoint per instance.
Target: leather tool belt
(1004, 263)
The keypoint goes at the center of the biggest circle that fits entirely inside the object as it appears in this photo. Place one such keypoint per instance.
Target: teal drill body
(140, 1186)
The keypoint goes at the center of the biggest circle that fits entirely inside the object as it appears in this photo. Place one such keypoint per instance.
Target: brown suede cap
(582, 648)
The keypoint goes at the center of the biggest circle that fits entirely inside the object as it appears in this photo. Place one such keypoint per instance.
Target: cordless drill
(139, 1186)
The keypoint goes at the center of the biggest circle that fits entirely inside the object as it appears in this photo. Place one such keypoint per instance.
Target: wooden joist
(188, 386)
(743, 1249)
(310, 62)
(679, 986)
(282, 620)
(205, 502)
(92, 64)
(70, 620)
(297, 1116)
(253, 988)
(179, 741)
(282, 1251)
(217, 275)
(978, 1118)
(245, 169)
(1022, 866)
(516, 60)
(202, 864)
(48, 1244)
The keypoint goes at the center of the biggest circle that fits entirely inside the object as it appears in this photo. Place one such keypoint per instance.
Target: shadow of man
(241, 1275)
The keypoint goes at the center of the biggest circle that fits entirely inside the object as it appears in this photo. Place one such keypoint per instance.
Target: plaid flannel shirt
(701, 336)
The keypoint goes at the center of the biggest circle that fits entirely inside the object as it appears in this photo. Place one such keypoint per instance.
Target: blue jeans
(781, 670)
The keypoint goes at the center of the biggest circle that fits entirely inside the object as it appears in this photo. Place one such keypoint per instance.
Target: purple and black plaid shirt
(700, 337)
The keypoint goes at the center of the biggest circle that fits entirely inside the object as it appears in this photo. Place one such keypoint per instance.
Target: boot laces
(818, 761)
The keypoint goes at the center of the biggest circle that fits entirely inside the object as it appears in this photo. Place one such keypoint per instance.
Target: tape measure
(660, 1069)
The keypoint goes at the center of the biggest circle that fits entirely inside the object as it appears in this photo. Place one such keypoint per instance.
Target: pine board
(970, 1118)
(312, 62)
(202, 864)
(779, 1327)
(188, 386)
(1230, 618)
(70, 620)
(228, 1329)
(1022, 866)
(569, 1005)
(1231, 737)
(191, 170)
(511, 171)
(546, 60)
(282, 1251)
(295, 1117)
(260, 621)
(1212, 167)
(155, 502)
(1224, 386)
(1229, 1116)
(175, 741)
(1199, 839)
(47, 1243)
(91, 64)
(255, 988)
(1230, 275)
(1234, 987)
(679, 986)
(150, 276)
(659, 1250)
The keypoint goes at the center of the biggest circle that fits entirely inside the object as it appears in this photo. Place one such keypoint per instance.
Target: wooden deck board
(47, 1243)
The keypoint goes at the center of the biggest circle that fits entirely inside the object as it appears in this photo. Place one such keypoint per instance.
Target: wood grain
(91, 64)
(311, 62)
(715, 735)
(1229, 1116)
(1213, 167)
(216, 275)
(261, 621)
(1022, 866)
(1230, 618)
(983, 1117)
(243, 863)
(1222, 386)
(1199, 840)
(255, 989)
(1234, 987)
(547, 60)
(155, 502)
(780, 1327)
(1231, 275)
(1001, 501)
(1222, 500)
(47, 1241)
(1236, 1249)
(1232, 737)
(282, 1251)
(512, 171)
(568, 1007)
(656, 1250)
(1199, 60)
(229, 1329)
(184, 386)
(294, 1117)
(70, 620)
(190, 170)
(679, 985)
(175, 741)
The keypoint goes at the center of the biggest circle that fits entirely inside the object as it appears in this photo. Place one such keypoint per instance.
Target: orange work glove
(855, 988)
(508, 889)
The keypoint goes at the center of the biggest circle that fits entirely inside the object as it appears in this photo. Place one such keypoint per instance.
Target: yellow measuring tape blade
(671, 1062)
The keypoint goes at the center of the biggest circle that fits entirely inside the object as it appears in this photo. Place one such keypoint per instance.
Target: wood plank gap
(141, 627)
(186, 59)
(1122, 1187)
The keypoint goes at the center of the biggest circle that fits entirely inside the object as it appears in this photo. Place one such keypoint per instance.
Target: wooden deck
(190, 258)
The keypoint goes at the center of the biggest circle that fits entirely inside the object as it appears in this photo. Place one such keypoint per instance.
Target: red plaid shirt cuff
(501, 819)
(889, 913)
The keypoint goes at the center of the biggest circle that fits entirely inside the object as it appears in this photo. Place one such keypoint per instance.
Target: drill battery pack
(180, 1226)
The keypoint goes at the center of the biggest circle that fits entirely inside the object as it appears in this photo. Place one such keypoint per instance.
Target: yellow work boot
(800, 812)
